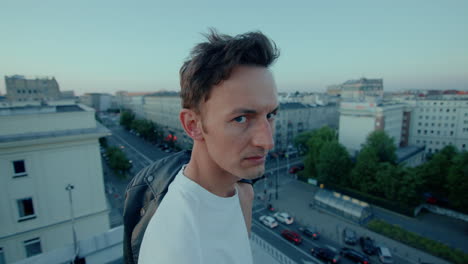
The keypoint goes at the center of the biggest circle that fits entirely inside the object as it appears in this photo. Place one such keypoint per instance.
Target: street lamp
(277, 174)
(69, 188)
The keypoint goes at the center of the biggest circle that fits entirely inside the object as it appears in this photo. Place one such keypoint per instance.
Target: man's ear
(191, 123)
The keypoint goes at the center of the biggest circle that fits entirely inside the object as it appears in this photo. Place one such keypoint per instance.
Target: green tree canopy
(333, 164)
(383, 145)
(363, 176)
(458, 182)
(314, 144)
(126, 119)
(436, 170)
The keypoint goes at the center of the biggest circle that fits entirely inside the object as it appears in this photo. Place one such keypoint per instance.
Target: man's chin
(253, 175)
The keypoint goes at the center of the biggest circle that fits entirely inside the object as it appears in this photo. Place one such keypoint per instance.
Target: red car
(296, 169)
(292, 236)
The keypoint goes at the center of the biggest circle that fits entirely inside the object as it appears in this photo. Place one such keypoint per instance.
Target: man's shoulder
(160, 172)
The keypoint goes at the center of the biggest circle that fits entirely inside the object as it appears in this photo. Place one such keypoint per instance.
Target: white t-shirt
(193, 225)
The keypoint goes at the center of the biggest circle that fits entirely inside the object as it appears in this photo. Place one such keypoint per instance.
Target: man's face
(238, 121)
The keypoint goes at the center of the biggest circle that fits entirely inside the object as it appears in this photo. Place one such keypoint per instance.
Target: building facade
(22, 89)
(362, 90)
(99, 101)
(163, 108)
(44, 149)
(438, 123)
(359, 119)
(295, 118)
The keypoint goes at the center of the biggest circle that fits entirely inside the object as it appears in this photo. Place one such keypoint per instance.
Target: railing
(272, 251)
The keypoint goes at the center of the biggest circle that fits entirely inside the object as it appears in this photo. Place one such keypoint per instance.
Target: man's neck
(204, 171)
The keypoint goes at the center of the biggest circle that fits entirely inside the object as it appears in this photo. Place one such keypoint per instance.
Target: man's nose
(263, 135)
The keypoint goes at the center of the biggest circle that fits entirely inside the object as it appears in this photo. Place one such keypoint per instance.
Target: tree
(383, 145)
(363, 176)
(300, 141)
(316, 141)
(126, 119)
(435, 171)
(333, 164)
(388, 179)
(118, 162)
(410, 188)
(458, 182)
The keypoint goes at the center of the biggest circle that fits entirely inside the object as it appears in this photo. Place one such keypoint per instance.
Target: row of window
(438, 132)
(435, 117)
(31, 246)
(447, 110)
(438, 124)
(27, 91)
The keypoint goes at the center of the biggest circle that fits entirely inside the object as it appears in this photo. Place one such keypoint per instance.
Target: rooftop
(407, 152)
(27, 110)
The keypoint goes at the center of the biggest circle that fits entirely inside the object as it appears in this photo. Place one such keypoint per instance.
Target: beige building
(99, 101)
(43, 149)
(438, 123)
(359, 119)
(163, 108)
(362, 89)
(21, 89)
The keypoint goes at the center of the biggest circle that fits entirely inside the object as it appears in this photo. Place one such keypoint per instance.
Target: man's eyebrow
(249, 111)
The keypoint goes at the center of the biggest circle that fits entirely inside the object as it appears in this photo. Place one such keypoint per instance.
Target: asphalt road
(143, 153)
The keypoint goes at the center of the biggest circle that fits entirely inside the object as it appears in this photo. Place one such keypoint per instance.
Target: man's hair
(212, 62)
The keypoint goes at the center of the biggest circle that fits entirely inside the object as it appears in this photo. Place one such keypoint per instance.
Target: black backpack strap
(143, 195)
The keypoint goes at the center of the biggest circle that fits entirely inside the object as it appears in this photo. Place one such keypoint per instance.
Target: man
(229, 100)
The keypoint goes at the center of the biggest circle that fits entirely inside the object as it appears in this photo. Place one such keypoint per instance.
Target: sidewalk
(294, 198)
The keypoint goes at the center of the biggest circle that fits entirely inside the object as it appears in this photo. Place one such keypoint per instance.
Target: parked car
(310, 232)
(326, 254)
(354, 255)
(296, 169)
(268, 221)
(292, 236)
(384, 255)
(434, 199)
(349, 236)
(283, 218)
(367, 245)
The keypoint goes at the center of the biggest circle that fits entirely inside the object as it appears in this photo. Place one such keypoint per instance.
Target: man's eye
(271, 115)
(240, 119)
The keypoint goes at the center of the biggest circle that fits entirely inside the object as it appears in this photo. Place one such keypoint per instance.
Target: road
(142, 154)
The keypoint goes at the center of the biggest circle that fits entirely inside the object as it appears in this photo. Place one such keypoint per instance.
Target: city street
(293, 196)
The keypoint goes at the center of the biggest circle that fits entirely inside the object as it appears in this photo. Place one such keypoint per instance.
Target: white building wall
(354, 130)
(51, 164)
(393, 119)
(438, 123)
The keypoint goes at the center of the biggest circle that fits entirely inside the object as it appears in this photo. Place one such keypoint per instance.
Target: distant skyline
(106, 46)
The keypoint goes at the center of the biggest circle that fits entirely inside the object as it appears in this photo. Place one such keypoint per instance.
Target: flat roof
(99, 129)
(28, 110)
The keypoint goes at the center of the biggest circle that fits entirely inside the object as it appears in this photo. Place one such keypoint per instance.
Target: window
(19, 168)
(25, 209)
(32, 247)
(2, 256)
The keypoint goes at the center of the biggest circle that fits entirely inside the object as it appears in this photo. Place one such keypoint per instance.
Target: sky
(109, 45)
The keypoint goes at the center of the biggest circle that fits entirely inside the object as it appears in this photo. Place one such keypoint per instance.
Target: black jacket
(143, 195)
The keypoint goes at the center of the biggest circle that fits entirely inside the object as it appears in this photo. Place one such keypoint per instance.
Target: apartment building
(295, 118)
(163, 108)
(47, 155)
(22, 89)
(438, 123)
